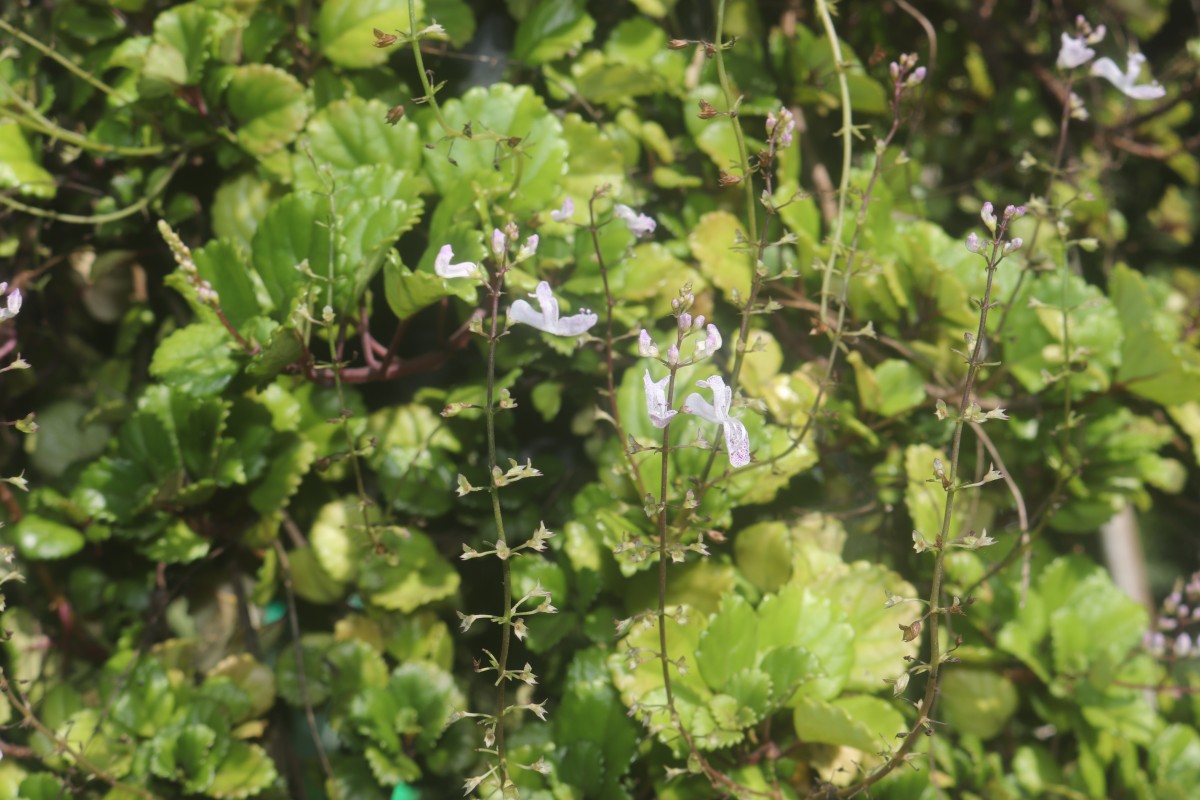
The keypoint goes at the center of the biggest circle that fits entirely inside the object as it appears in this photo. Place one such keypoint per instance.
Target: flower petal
(549, 305)
(737, 442)
(697, 406)
(575, 324)
(521, 311)
(564, 213)
(656, 401)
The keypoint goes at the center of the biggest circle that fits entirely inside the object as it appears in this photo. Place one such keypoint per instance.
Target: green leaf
(343, 29)
(410, 574)
(42, 786)
(64, 437)
(490, 169)
(752, 690)
(797, 617)
(977, 702)
(712, 242)
(223, 265)
(252, 677)
(294, 230)
(290, 457)
(354, 133)
(182, 755)
(729, 643)
(1095, 604)
(198, 360)
(269, 106)
(46, 540)
(864, 723)
(311, 580)
(551, 30)
(240, 202)
(19, 168)
(591, 714)
(1174, 761)
(244, 772)
(1153, 365)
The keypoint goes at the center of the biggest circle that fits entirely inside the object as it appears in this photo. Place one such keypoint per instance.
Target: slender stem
(734, 122)
(847, 133)
(430, 97)
(496, 289)
(69, 65)
(99, 219)
(38, 122)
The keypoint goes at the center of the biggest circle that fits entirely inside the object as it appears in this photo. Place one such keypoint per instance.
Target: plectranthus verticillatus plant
(548, 318)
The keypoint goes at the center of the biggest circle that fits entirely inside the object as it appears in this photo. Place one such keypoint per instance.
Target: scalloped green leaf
(1156, 366)
(411, 573)
(46, 540)
(729, 643)
(354, 132)
(19, 168)
(977, 702)
(294, 230)
(290, 457)
(269, 106)
(859, 721)
(183, 755)
(223, 265)
(244, 772)
(198, 360)
(343, 29)
(551, 30)
(532, 134)
(252, 677)
(712, 242)
(797, 617)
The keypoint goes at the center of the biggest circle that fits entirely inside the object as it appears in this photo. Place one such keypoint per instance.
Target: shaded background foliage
(185, 480)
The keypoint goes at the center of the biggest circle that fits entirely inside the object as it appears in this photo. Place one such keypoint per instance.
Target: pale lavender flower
(499, 242)
(444, 269)
(1127, 81)
(12, 303)
(973, 243)
(1074, 52)
(737, 439)
(638, 224)
(656, 401)
(786, 122)
(566, 212)
(709, 344)
(548, 319)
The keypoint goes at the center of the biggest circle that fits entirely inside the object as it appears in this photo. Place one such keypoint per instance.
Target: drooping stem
(731, 104)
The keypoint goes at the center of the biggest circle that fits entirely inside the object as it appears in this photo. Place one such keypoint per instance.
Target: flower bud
(499, 242)
(988, 216)
(1013, 246)
(646, 346)
(673, 355)
(684, 321)
(973, 243)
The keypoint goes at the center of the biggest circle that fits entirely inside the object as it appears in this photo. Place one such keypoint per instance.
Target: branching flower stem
(731, 104)
(496, 289)
(935, 610)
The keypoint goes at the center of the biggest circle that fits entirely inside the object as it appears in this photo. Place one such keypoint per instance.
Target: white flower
(547, 319)
(12, 305)
(656, 401)
(737, 440)
(988, 215)
(1127, 81)
(564, 213)
(499, 242)
(1074, 52)
(973, 243)
(444, 269)
(709, 344)
(638, 224)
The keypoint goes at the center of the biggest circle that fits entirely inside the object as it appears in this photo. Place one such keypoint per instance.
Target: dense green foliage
(293, 503)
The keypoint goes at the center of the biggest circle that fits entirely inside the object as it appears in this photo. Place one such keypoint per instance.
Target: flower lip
(444, 269)
(737, 439)
(1074, 52)
(656, 401)
(548, 318)
(1127, 81)
(638, 224)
